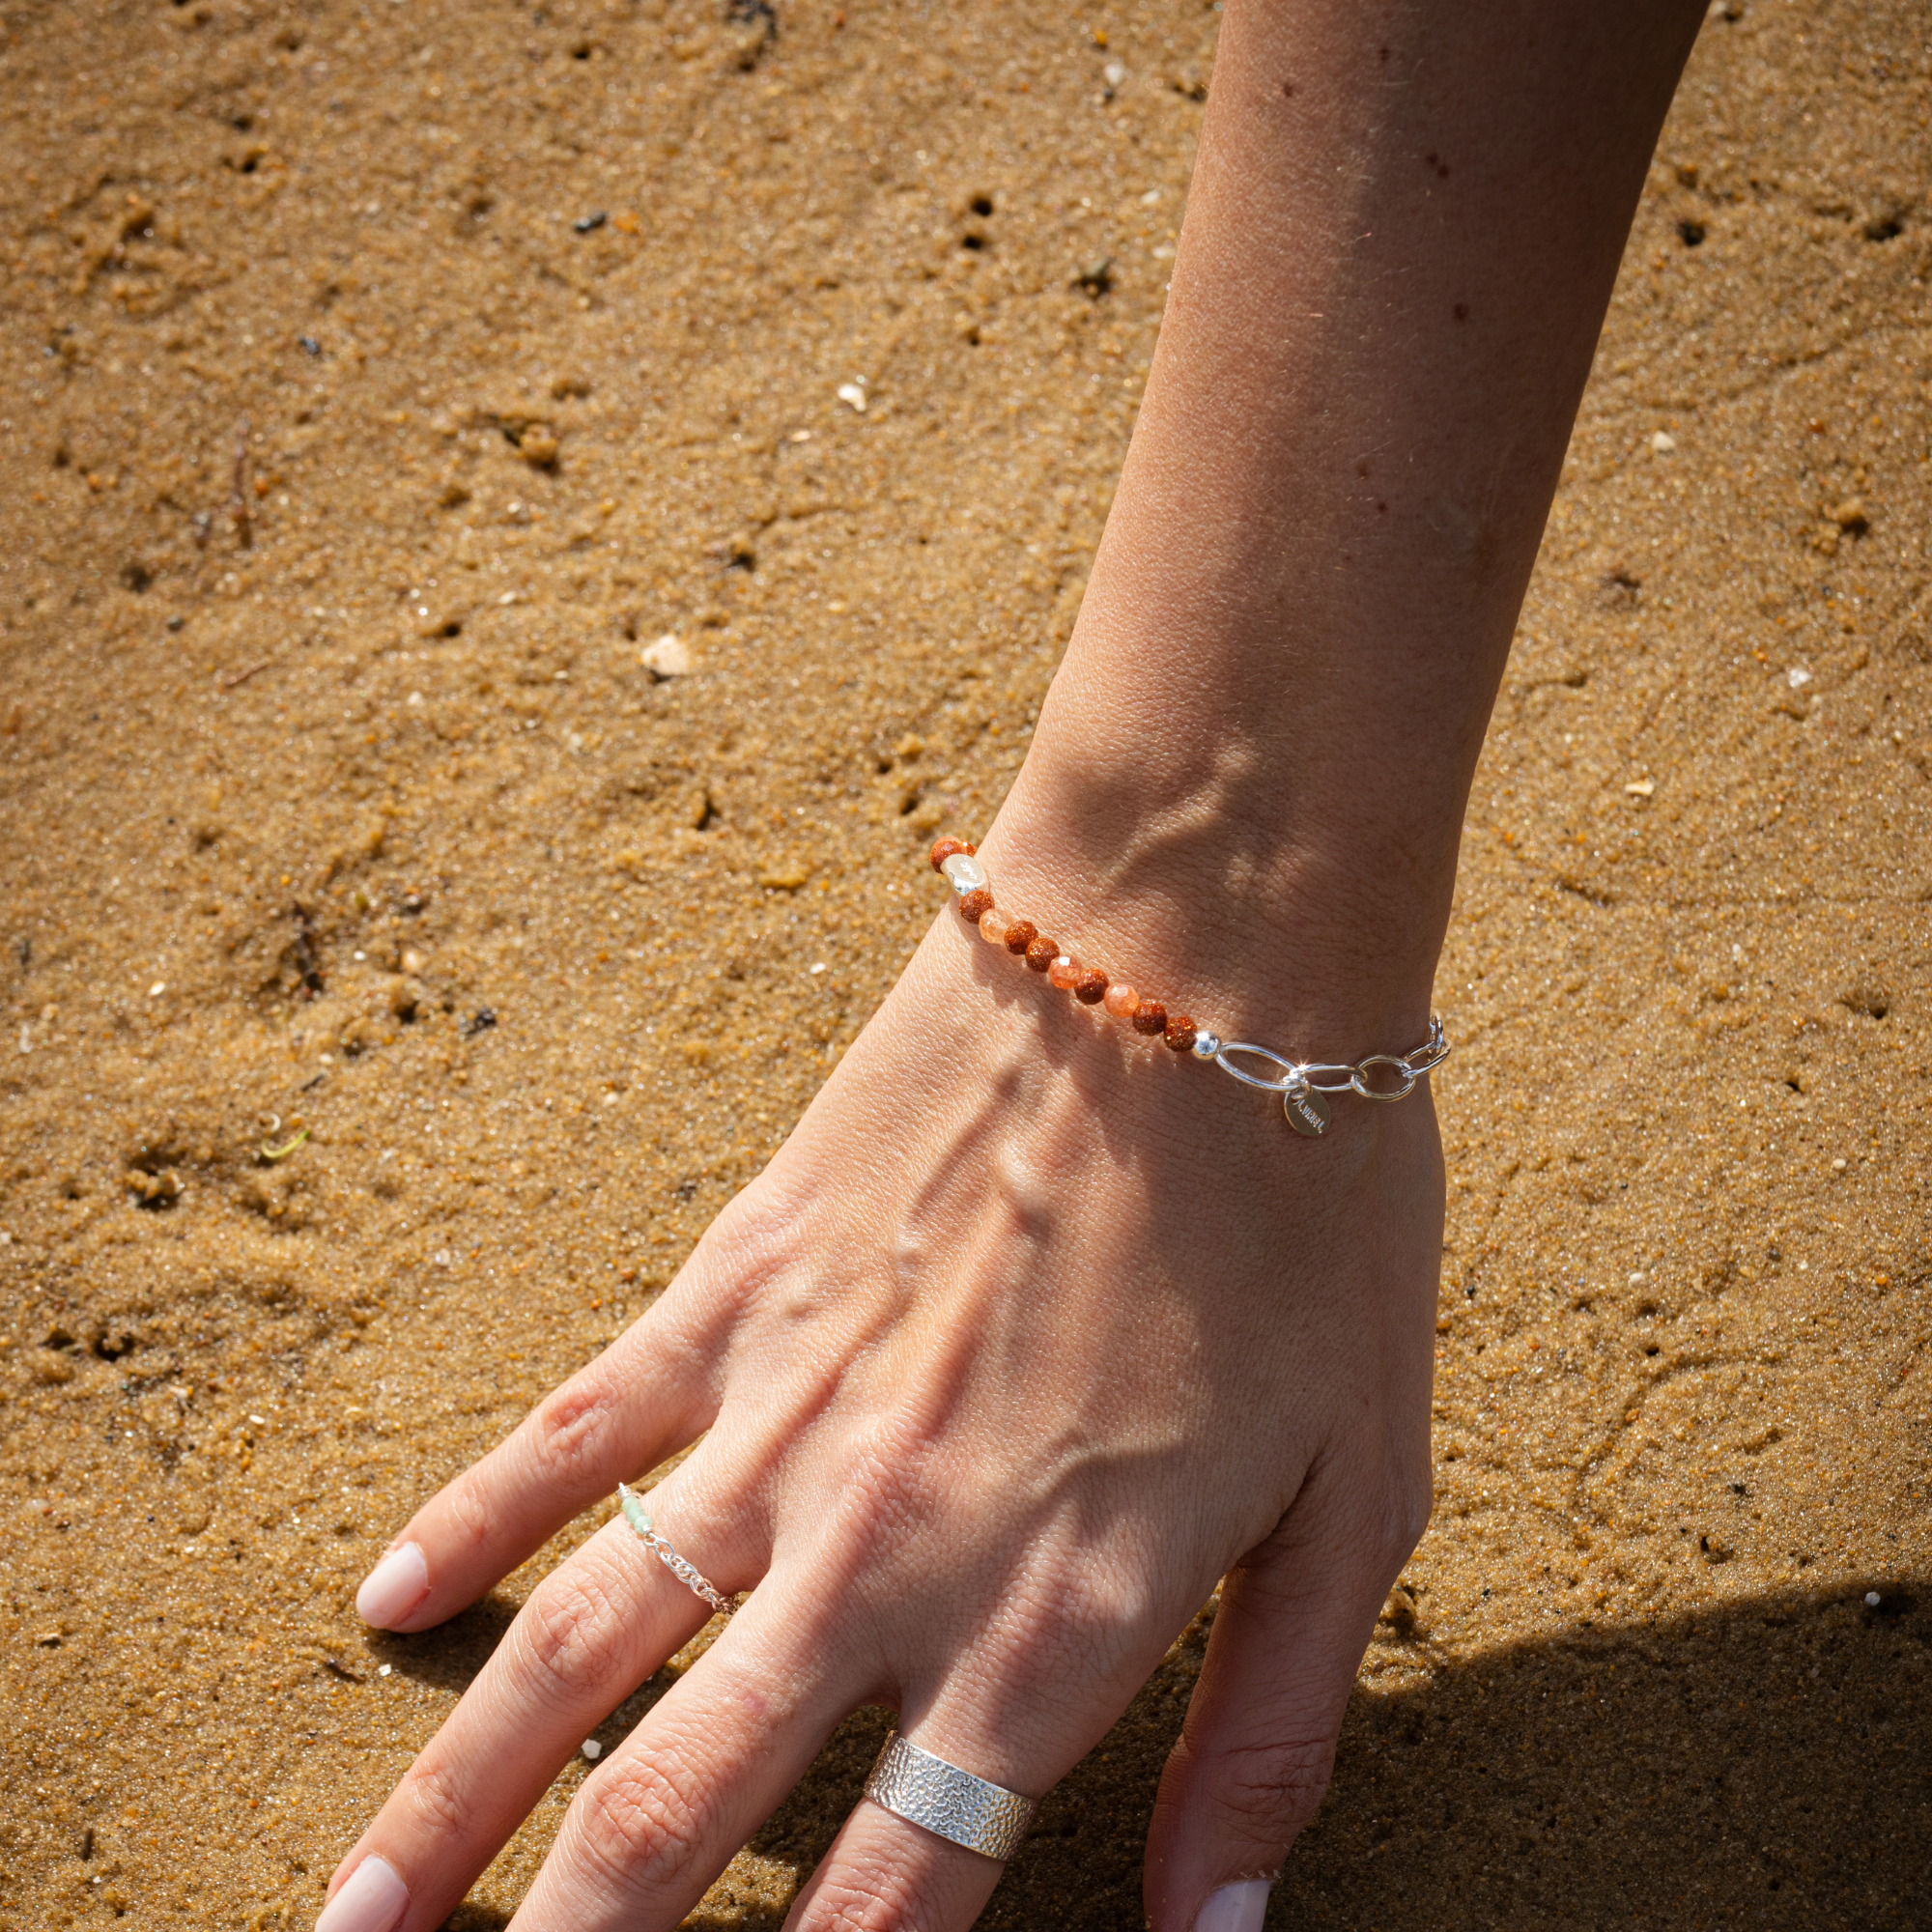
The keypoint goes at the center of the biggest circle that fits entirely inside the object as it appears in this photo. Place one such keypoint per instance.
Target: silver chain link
(686, 1574)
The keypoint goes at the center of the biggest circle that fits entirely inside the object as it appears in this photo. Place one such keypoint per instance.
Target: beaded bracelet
(1303, 1083)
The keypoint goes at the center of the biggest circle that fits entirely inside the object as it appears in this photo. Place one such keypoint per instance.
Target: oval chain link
(1291, 1074)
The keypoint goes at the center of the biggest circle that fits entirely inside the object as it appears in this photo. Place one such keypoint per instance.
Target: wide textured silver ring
(633, 1506)
(972, 1812)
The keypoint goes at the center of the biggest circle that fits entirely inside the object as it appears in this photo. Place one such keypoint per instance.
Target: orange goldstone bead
(1020, 935)
(993, 926)
(1041, 955)
(1179, 1033)
(1063, 973)
(1149, 1016)
(976, 905)
(1121, 1000)
(1090, 988)
(944, 849)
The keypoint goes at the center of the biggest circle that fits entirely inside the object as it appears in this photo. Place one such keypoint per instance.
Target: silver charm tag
(1306, 1108)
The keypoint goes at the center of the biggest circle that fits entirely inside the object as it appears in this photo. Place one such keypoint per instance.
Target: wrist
(1174, 881)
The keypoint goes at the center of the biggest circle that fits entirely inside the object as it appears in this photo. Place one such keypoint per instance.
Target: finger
(660, 1818)
(1017, 1725)
(883, 1871)
(1034, 1682)
(645, 1397)
(996, 1721)
(591, 1633)
(1254, 1754)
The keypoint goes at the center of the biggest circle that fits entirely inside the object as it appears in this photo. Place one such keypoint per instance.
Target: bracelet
(1303, 1083)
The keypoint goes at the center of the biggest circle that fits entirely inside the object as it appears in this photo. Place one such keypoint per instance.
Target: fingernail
(374, 1897)
(1235, 1908)
(393, 1588)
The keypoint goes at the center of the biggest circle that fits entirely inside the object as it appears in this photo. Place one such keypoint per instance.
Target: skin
(1033, 1330)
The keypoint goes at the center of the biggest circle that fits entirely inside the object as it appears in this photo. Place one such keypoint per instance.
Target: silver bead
(1205, 1044)
(966, 873)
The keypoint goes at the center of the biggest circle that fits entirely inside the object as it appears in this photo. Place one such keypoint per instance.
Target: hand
(1032, 1332)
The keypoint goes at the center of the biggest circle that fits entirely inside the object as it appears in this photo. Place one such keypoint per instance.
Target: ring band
(926, 1790)
(632, 1504)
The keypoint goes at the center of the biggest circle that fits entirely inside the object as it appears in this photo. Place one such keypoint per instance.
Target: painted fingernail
(1235, 1908)
(393, 1588)
(372, 1899)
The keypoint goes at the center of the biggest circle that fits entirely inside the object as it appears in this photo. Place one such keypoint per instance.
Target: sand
(399, 970)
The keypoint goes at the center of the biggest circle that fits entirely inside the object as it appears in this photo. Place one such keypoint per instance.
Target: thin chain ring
(687, 1573)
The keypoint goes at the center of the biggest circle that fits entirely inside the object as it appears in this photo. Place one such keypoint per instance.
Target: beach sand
(400, 969)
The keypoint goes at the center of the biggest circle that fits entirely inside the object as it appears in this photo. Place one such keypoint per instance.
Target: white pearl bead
(966, 873)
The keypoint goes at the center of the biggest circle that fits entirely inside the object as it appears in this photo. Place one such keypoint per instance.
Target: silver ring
(633, 1506)
(926, 1791)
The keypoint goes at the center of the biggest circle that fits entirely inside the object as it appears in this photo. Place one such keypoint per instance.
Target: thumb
(1254, 1754)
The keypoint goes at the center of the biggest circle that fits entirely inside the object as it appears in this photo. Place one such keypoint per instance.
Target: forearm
(1404, 228)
